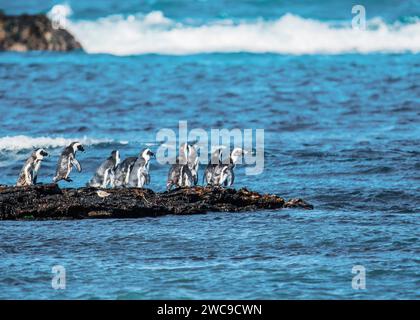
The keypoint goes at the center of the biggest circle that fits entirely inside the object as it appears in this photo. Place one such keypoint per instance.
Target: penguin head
(40, 154)
(77, 146)
(236, 154)
(191, 150)
(147, 154)
(115, 155)
(193, 155)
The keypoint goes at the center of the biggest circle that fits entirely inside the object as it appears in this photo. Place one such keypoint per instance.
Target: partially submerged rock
(33, 32)
(50, 202)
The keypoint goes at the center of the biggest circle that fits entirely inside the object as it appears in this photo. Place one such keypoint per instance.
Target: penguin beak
(45, 154)
(81, 148)
(152, 155)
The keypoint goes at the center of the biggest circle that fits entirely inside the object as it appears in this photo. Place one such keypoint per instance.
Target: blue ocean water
(341, 131)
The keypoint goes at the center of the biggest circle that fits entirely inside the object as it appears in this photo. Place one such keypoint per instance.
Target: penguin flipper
(76, 164)
(233, 179)
(189, 179)
(205, 176)
(195, 176)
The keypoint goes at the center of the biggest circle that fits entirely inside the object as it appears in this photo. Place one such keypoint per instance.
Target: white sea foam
(289, 34)
(16, 143)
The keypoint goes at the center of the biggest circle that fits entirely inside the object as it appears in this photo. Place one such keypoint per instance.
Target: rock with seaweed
(50, 202)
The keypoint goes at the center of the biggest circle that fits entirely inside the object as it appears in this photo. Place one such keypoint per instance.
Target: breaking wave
(289, 34)
(16, 143)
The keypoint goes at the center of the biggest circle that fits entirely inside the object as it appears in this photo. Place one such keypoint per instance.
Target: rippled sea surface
(342, 132)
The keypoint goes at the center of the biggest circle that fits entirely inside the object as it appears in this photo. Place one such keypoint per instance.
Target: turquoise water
(341, 131)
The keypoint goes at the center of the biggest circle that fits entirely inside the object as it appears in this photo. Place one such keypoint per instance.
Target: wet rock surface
(50, 202)
(33, 32)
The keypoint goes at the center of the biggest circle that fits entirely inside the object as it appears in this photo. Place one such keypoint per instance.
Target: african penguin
(193, 162)
(180, 174)
(29, 172)
(66, 162)
(104, 175)
(223, 174)
(122, 172)
(215, 161)
(139, 173)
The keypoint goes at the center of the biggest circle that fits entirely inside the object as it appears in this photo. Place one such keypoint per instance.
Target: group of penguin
(134, 171)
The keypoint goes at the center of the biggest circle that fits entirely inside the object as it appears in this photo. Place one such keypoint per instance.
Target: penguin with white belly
(29, 173)
(105, 174)
(67, 161)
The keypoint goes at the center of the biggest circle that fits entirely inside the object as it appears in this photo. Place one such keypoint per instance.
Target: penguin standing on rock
(193, 162)
(134, 171)
(104, 175)
(139, 174)
(227, 176)
(67, 161)
(29, 172)
(215, 162)
(223, 174)
(122, 172)
(180, 174)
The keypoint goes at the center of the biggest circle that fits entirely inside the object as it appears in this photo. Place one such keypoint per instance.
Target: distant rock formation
(33, 32)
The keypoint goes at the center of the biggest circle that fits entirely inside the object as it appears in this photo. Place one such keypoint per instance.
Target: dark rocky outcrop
(33, 32)
(51, 202)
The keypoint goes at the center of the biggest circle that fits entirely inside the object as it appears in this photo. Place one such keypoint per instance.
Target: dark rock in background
(50, 202)
(33, 32)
